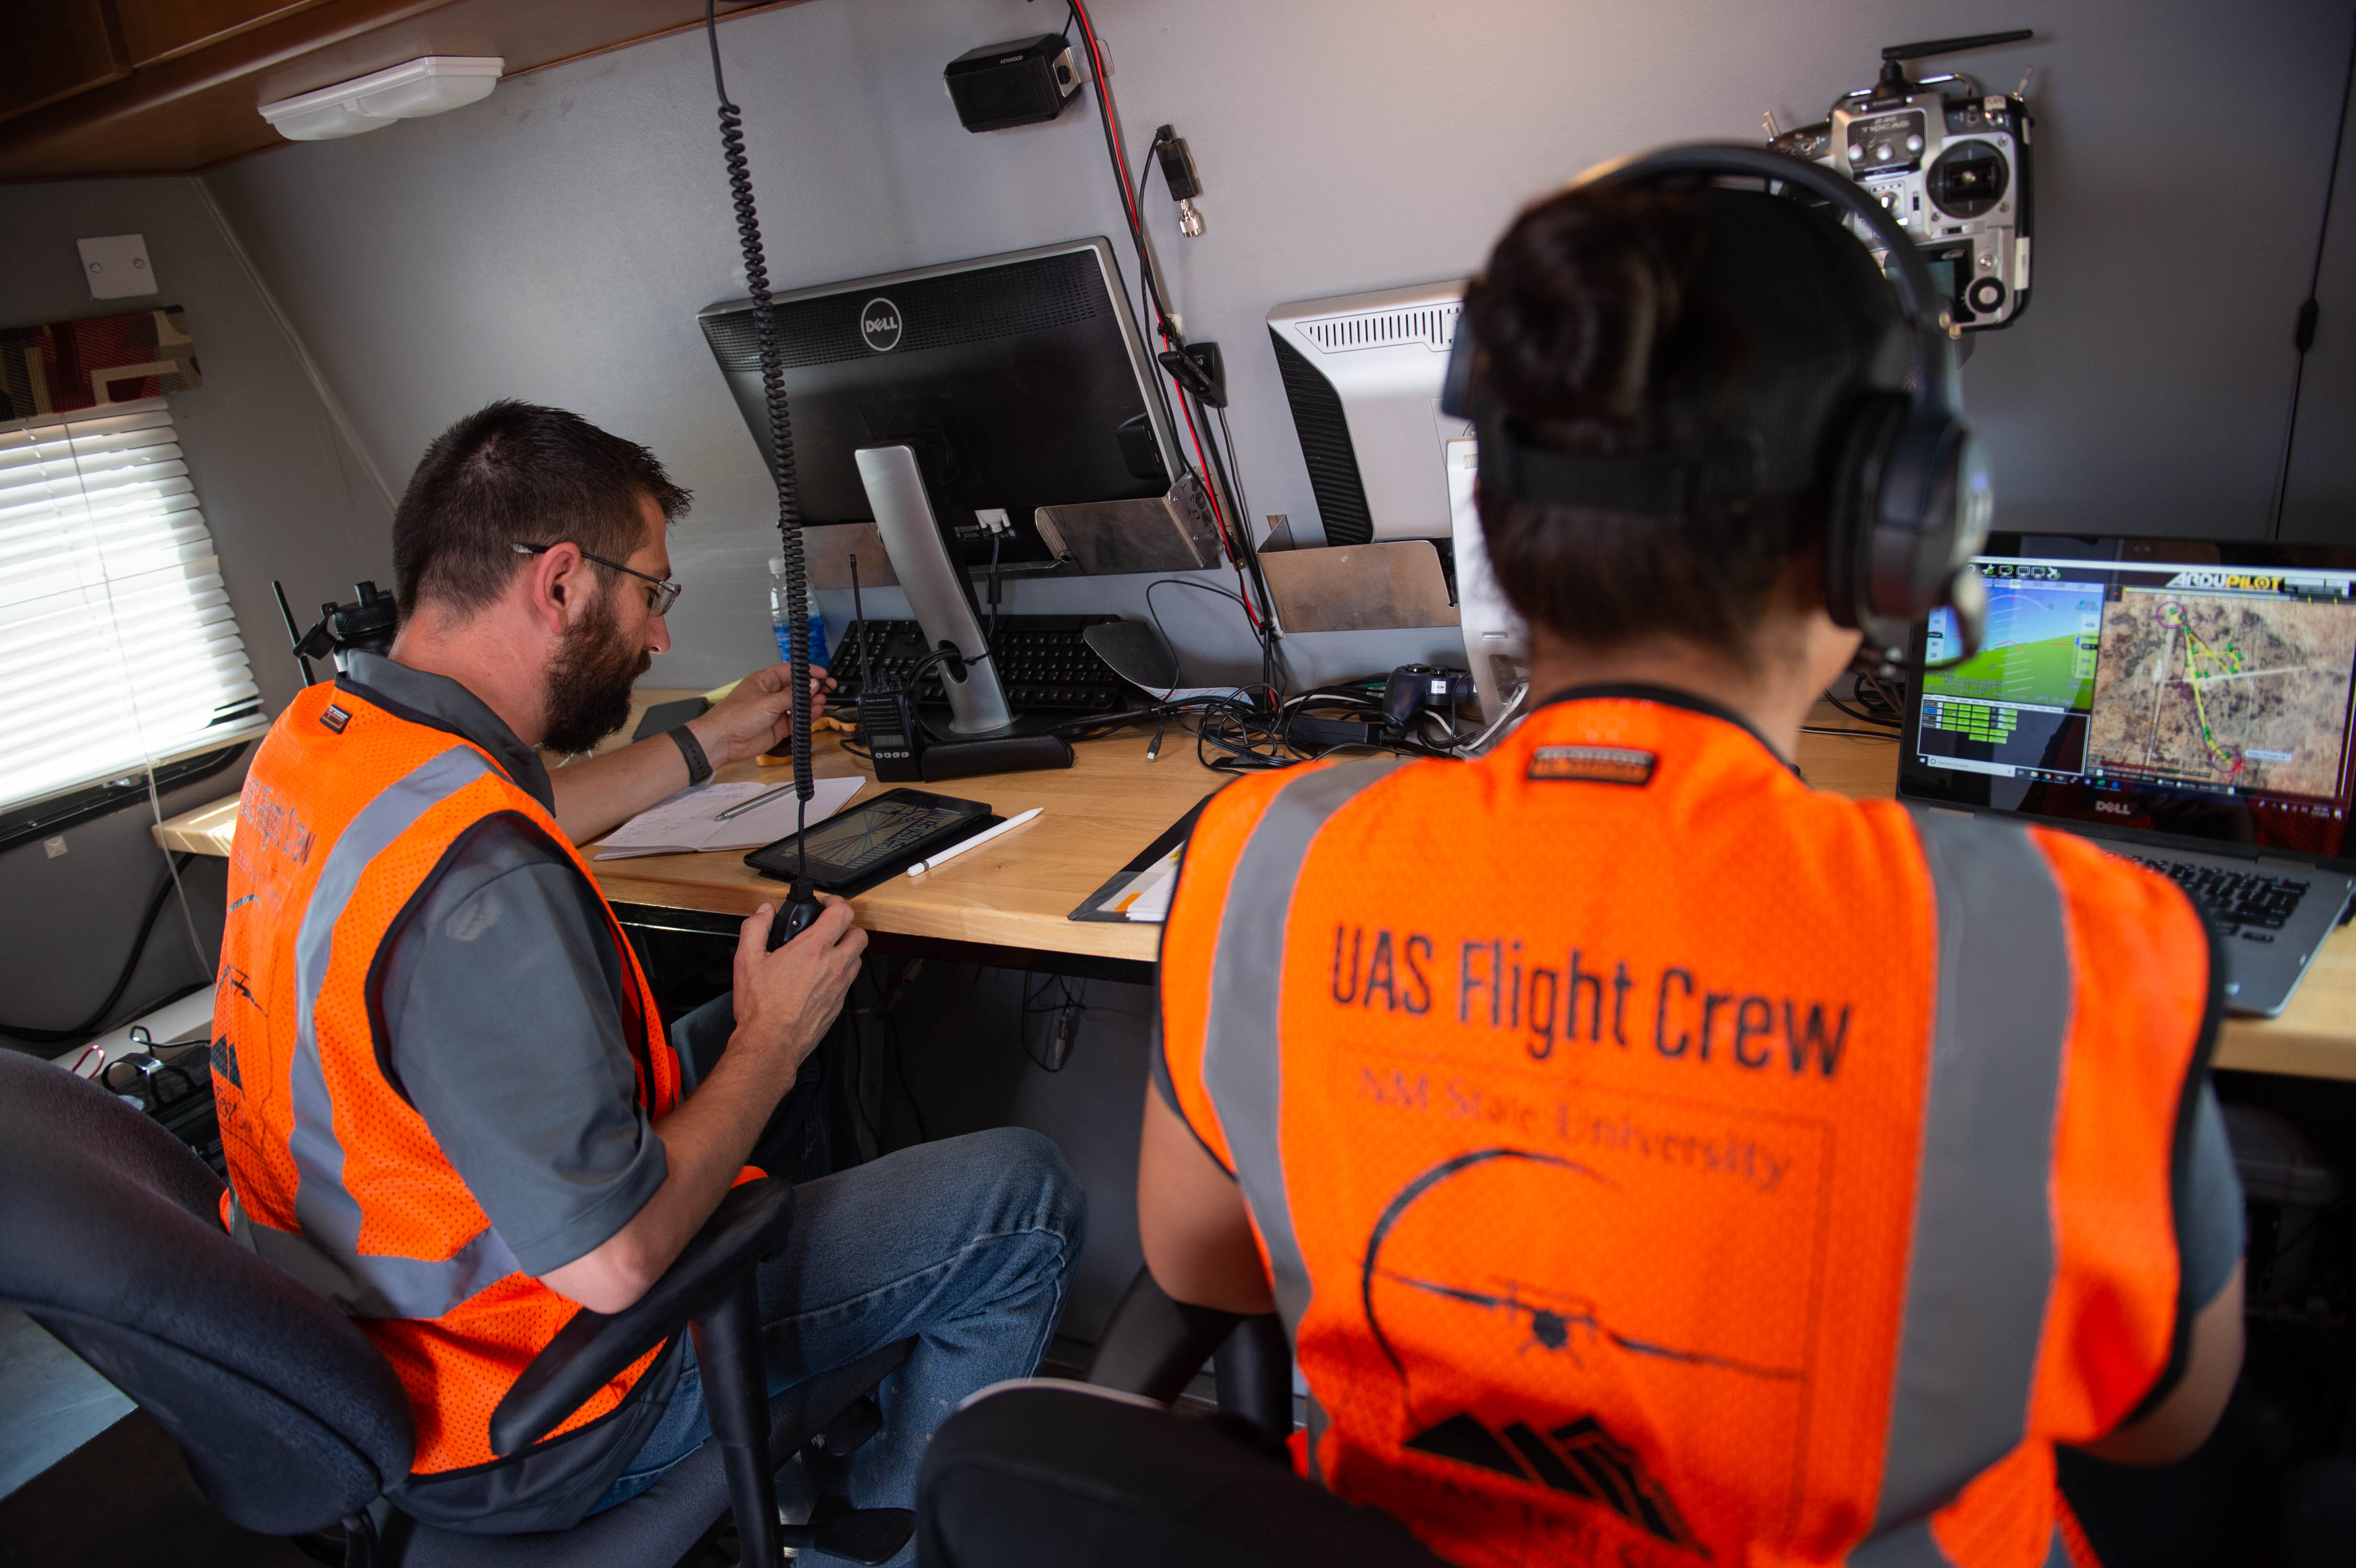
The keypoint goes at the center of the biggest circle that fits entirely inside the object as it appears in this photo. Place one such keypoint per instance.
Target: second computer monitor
(1020, 380)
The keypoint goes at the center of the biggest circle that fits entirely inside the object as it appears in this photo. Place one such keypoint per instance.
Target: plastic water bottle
(781, 612)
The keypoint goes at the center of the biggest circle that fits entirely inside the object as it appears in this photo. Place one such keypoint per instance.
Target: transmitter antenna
(1893, 58)
(294, 634)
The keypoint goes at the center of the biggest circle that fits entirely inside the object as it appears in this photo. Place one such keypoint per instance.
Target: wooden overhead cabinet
(156, 30)
(132, 87)
(57, 50)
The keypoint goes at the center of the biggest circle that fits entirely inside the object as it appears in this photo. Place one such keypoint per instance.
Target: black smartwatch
(699, 766)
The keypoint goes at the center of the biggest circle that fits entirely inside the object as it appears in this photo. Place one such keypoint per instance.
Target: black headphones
(1909, 496)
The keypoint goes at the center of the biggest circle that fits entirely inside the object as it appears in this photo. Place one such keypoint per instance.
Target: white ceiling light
(410, 91)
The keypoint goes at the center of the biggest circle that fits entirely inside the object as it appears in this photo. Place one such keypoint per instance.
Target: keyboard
(1042, 662)
(2233, 899)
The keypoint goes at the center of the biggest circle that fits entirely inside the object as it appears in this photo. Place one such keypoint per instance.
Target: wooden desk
(204, 831)
(1112, 803)
(1014, 891)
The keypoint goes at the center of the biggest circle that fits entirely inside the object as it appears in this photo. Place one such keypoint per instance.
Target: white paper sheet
(687, 822)
(1146, 899)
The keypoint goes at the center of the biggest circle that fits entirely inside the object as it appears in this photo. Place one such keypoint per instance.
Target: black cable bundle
(781, 436)
(1229, 512)
(77, 1034)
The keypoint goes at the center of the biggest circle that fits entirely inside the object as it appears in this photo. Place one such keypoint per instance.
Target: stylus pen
(762, 799)
(954, 850)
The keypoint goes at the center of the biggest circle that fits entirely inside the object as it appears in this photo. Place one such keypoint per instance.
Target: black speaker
(1021, 82)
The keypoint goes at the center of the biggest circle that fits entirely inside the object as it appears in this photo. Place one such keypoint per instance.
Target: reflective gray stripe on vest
(325, 1253)
(1241, 1069)
(1981, 1255)
(1911, 1546)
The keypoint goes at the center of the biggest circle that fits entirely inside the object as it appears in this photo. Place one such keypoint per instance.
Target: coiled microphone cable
(781, 440)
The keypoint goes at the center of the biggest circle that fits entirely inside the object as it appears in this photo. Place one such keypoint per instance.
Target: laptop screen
(2166, 685)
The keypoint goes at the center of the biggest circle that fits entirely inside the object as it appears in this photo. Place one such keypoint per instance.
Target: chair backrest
(111, 1239)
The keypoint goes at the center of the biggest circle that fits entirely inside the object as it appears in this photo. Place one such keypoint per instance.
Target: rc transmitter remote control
(1951, 162)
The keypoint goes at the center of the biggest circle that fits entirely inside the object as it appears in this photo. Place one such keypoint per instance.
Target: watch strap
(699, 766)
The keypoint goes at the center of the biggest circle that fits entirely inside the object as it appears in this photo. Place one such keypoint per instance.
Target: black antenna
(294, 635)
(1893, 72)
(859, 615)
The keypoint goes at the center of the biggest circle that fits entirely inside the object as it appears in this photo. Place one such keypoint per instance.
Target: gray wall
(556, 240)
(2320, 499)
(282, 499)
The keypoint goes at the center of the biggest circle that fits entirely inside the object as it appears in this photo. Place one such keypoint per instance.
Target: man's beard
(589, 680)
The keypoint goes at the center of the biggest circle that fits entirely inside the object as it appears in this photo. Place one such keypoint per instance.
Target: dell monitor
(1362, 374)
(1019, 381)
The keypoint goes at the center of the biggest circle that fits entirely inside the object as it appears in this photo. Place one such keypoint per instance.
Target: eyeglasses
(666, 593)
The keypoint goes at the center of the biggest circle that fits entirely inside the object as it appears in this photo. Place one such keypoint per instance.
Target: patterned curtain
(104, 360)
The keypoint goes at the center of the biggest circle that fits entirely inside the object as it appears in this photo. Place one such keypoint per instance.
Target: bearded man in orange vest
(447, 1099)
(1653, 1159)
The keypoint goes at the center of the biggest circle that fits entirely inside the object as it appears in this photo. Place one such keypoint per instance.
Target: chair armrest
(592, 1348)
(1153, 1346)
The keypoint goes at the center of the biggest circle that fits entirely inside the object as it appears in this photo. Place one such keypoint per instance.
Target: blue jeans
(967, 1243)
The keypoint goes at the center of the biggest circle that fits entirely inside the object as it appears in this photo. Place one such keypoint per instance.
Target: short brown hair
(1615, 319)
(512, 473)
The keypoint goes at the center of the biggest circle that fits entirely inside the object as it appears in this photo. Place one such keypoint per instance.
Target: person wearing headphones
(1653, 1158)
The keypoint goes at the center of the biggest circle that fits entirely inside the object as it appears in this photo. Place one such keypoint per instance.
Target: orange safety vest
(1655, 1159)
(348, 812)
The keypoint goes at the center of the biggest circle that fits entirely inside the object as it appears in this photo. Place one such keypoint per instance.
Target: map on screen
(2216, 688)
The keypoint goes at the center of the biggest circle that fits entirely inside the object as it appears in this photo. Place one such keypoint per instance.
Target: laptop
(2185, 703)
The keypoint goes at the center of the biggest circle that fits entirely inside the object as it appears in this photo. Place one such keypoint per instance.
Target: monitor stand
(939, 595)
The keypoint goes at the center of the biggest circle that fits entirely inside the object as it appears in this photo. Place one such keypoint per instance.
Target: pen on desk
(959, 847)
(762, 799)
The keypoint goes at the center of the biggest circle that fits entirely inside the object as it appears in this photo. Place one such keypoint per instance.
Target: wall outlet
(116, 267)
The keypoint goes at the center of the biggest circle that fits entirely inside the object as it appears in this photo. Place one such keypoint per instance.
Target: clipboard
(1093, 906)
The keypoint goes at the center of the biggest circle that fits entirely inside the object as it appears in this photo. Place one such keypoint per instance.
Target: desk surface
(1017, 890)
(1014, 891)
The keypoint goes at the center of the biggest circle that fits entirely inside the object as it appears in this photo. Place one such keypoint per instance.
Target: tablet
(872, 839)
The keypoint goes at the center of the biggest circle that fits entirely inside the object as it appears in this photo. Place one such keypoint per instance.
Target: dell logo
(879, 324)
(2114, 807)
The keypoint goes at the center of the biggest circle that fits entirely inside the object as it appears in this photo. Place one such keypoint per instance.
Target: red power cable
(1115, 142)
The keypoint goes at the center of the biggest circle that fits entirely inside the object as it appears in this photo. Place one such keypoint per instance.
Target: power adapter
(1178, 173)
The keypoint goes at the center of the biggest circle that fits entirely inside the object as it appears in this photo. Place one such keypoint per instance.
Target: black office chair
(291, 1421)
(1040, 1471)
(1153, 1346)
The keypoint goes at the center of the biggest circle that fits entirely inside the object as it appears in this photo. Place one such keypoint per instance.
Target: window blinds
(118, 648)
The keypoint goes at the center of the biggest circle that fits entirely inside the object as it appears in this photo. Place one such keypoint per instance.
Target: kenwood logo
(879, 323)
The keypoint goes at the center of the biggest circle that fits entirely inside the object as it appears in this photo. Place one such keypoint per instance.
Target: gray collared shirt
(500, 995)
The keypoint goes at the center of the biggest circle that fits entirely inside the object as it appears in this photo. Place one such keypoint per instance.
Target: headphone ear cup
(1853, 502)
(1931, 517)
